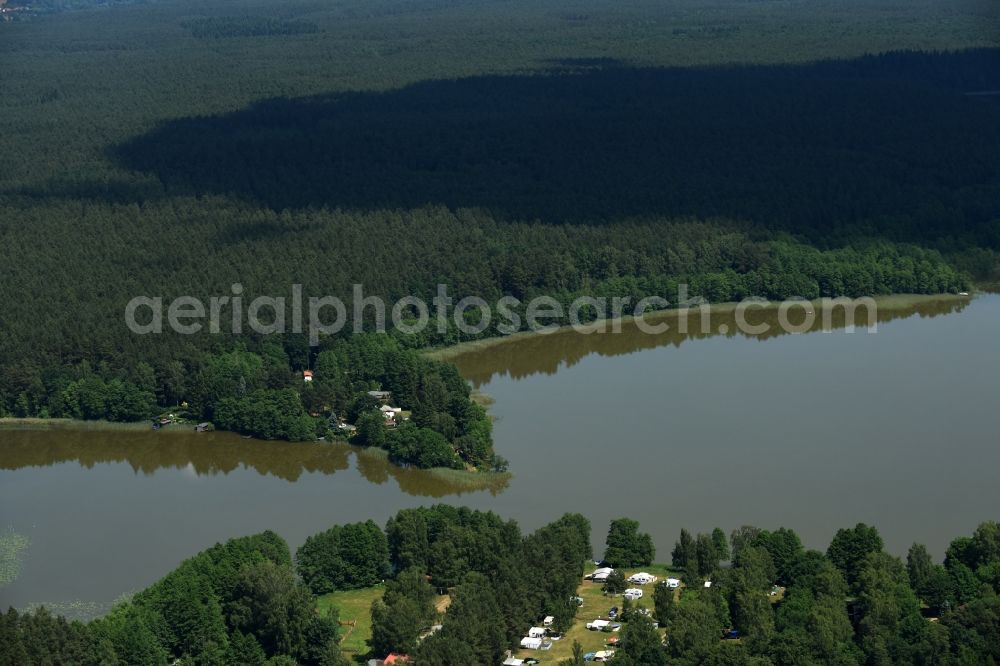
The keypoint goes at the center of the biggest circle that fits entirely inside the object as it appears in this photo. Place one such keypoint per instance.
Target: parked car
(589, 656)
(613, 612)
(532, 661)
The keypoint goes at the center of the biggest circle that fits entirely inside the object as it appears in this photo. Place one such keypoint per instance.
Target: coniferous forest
(565, 148)
(176, 148)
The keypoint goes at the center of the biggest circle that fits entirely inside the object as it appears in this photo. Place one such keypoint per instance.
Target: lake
(811, 431)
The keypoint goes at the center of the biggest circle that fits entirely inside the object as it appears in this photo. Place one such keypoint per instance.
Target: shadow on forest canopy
(886, 138)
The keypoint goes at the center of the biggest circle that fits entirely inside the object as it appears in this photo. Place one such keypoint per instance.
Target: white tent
(512, 661)
(529, 643)
(536, 632)
(602, 573)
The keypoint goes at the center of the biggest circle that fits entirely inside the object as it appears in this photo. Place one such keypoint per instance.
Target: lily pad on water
(12, 547)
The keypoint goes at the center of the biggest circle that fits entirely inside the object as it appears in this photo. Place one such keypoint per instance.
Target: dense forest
(255, 392)
(236, 603)
(882, 145)
(240, 602)
(520, 148)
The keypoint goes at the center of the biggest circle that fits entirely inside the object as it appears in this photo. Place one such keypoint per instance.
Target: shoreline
(472, 479)
(888, 302)
(35, 423)
(466, 479)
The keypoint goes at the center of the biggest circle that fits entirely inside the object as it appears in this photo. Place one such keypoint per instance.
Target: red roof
(396, 659)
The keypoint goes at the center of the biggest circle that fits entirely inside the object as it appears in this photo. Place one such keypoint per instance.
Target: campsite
(596, 604)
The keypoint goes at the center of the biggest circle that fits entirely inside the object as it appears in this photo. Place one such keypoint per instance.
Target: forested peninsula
(855, 170)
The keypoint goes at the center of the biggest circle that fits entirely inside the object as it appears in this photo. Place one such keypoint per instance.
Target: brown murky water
(813, 432)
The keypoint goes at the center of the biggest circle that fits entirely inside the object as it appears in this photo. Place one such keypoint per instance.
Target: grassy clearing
(595, 606)
(466, 480)
(353, 606)
(442, 603)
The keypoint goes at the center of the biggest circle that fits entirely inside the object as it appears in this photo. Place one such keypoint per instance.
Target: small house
(382, 396)
(390, 414)
(548, 621)
(536, 632)
(307, 375)
(203, 427)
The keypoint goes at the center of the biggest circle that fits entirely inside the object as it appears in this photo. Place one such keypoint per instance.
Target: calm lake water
(813, 432)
